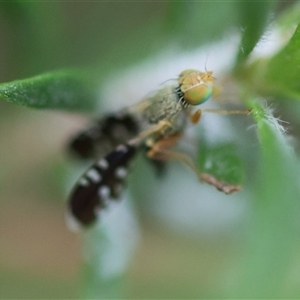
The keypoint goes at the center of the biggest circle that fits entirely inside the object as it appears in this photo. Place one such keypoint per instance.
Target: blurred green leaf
(273, 230)
(72, 90)
(12, 10)
(282, 76)
(254, 17)
(222, 161)
(289, 18)
(192, 24)
(34, 37)
(196, 23)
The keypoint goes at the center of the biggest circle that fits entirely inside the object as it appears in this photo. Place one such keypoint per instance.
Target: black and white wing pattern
(101, 183)
(104, 135)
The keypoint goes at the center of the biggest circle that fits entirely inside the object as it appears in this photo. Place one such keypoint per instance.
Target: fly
(154, 125)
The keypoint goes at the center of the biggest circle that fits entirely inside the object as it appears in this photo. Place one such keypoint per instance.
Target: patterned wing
(101, 183)
(105, 135)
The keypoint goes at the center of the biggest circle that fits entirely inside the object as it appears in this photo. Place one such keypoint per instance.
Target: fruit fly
(153, 125)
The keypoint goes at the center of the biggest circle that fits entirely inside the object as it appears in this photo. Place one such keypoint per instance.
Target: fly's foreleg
(196, 116)
(161, 127)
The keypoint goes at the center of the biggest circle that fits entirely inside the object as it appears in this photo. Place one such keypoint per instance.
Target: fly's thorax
(164, 105)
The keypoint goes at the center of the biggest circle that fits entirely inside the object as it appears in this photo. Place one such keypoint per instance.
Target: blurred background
(189, 236)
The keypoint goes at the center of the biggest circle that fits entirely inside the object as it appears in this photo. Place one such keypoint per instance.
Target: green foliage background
(56, 56)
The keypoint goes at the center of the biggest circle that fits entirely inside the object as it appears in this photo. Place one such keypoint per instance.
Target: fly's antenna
(205, 64)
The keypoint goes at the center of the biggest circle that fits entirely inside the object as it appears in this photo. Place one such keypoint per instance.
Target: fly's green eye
(198, 94)
(196, 86)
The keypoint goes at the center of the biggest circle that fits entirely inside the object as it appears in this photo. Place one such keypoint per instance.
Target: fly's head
(196, 87)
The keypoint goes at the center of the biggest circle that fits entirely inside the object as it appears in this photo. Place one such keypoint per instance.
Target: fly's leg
(196, 116)
(227, 112)
(218, 184)
(160, 127)
(160, 151)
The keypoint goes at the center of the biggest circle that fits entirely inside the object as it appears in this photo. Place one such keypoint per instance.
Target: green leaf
(273, 232)
(192, 24)
(254, 16)
(222, 161)
(33, 41)
(195, 23)
(72, 90)
(281, 75)
(289, 18)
